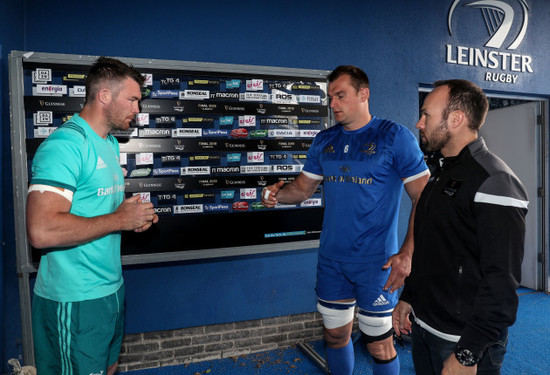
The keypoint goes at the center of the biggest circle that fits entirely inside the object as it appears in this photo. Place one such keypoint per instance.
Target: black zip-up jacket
(469, 233)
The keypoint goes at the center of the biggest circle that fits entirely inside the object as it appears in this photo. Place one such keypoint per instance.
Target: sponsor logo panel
(225, 95)
(308, 133)
(142, 119)
(199, 195)
(254, 85)
(166, 171)
(226, 170)
(163, 210)
(165, 198)
(263, 169)
(254, 97)
(217, 207)
(140, 172)
(274, 121)
(233, 158)
(215, 133)
(186, 132)
(152, 132)
(170, 82)
(74, 77)
(77, 91)
(144, 158)
(191, 171)
(43, 118)
(204, 157)
(255, 157)
(248, 193)
(170, 159)
(282, 133)
(194, 94)
(43, 132)
(228, 194)
(240, 206)
(281, 97)
(50, 90)
(188, 209)
(226, 120)
(41, 75)
(312, 202)
(165, 94)
(148, 79)
(233, 84)
(286, 168)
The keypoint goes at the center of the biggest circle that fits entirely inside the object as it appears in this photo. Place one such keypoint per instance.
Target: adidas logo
(380, 301)
(100, 164)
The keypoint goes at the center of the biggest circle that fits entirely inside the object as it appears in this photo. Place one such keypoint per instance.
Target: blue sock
(388, 368)
(341, 361)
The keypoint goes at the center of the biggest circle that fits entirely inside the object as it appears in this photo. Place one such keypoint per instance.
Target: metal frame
(25, 266)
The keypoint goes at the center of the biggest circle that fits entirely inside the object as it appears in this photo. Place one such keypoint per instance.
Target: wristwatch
(466, 357)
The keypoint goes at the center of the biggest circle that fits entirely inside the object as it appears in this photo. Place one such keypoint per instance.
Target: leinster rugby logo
(499, 17)
(500, 26)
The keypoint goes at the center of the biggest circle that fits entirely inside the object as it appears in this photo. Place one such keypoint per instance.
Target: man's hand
(136, 215)
(451, 366)
(400, 318)
(400, 264)
(269, 198)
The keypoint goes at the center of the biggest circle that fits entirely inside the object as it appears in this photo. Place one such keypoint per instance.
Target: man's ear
(457, 118)
(104, 96)
(364, 94)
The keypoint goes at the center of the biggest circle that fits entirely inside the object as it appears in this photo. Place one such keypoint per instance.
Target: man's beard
(438, 138)
(115, 120)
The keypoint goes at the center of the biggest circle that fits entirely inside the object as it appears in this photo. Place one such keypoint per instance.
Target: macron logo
(380, 301)
(100, 164)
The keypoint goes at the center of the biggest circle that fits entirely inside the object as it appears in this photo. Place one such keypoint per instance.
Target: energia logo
(504, 22)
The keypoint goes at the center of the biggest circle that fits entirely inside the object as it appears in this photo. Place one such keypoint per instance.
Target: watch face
(466, 357)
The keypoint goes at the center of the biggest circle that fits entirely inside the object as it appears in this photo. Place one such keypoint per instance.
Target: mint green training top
(74, 157)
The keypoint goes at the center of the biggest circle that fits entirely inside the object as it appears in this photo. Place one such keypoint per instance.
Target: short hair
(112, 72)
(358, 77)
(468, 98)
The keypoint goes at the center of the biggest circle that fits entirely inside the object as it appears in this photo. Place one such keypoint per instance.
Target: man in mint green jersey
(75, 213)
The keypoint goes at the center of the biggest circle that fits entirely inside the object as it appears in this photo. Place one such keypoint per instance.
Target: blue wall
(11, 37)
(401, 45)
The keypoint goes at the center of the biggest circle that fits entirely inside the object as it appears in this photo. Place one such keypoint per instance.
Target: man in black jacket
(460, 297)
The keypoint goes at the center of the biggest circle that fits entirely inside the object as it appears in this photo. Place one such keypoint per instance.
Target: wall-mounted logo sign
(500, 26)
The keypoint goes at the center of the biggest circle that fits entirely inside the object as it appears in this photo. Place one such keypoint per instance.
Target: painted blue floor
(527, 351)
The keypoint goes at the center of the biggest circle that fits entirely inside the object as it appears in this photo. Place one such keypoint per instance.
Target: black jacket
(469, 235)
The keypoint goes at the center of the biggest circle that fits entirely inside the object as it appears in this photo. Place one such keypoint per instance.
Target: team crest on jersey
(344, 168)
(369, 148)
(329, 150)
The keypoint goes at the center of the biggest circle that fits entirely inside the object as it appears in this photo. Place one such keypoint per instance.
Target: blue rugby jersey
(362, 174)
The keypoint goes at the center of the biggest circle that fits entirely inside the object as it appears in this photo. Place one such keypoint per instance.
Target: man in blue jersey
(469, 232)
(75, 213)
(363, 162)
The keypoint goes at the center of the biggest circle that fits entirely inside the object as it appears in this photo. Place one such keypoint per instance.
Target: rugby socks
(341, 361)
(389, 367)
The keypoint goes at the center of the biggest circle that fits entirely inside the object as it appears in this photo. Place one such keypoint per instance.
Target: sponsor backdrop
(202, 148)
(502, 46)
